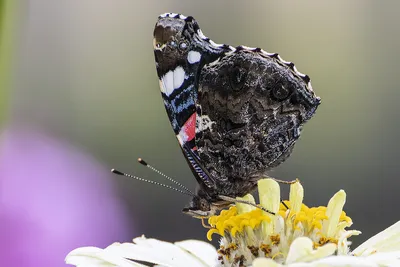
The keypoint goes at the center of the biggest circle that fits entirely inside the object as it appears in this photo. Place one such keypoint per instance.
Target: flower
(269, 236)
(180, 254)
(248, 232)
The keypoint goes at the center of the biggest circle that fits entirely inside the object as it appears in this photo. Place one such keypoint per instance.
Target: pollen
(248, 232)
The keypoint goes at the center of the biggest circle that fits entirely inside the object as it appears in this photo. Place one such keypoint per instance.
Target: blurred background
(79, 96)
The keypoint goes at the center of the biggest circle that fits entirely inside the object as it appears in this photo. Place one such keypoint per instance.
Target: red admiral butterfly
(236, 112)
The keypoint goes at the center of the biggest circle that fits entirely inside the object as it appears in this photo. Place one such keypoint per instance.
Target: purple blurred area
(53, 198)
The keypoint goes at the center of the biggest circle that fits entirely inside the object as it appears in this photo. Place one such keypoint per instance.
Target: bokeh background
(79, 96)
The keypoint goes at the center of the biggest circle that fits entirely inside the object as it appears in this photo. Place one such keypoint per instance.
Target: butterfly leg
(284, 204)
(204, 224)
(286, 182)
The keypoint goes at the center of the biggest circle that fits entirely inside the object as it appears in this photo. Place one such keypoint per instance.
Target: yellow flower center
(249, 232)
(311, 219)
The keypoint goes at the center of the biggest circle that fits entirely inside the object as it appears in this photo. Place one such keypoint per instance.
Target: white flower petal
(341, 261)
(243, 208)
(155, 251)
(331, 261)
(96, 257)
(343, 225)
(296, 196)
(343, 246)
(270, 198)
(264, 262)
(385, 241)
(205, 252)
(333, 211)
(302, 250)
(385, 258)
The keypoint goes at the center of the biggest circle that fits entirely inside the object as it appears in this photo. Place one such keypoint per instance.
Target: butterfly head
(199, 208)
(203, 205)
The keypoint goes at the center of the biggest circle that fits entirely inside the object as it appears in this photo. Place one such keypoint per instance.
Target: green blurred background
(84, 73)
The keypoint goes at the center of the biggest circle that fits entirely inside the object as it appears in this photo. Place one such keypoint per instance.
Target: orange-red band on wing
(188, 130)
(190, 127)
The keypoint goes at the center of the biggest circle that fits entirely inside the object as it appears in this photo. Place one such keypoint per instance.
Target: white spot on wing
(215, 62)
(182, 136)
(179, 77)
(168, 82)
(201, 35)
(282, 60)
(215, 44)
(162, 88)
(172, 80)
(203, 122)
(193, 57)
(178, 136)
(247, 47)
(172, 15)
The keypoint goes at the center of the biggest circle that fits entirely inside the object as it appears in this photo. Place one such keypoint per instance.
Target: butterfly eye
(183, 45)
(158, 45)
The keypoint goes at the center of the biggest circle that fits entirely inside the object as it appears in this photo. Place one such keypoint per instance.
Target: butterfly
(236, 111)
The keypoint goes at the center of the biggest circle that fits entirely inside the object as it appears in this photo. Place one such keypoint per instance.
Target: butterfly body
(236, 112)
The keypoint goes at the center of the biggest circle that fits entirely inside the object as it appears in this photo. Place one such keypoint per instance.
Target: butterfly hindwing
(255, 108)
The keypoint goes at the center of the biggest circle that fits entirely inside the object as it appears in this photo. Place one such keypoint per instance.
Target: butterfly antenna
(150, 182)
(144, 163)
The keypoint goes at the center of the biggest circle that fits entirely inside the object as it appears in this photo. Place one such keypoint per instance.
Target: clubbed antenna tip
(117, 172)
(141, 161)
